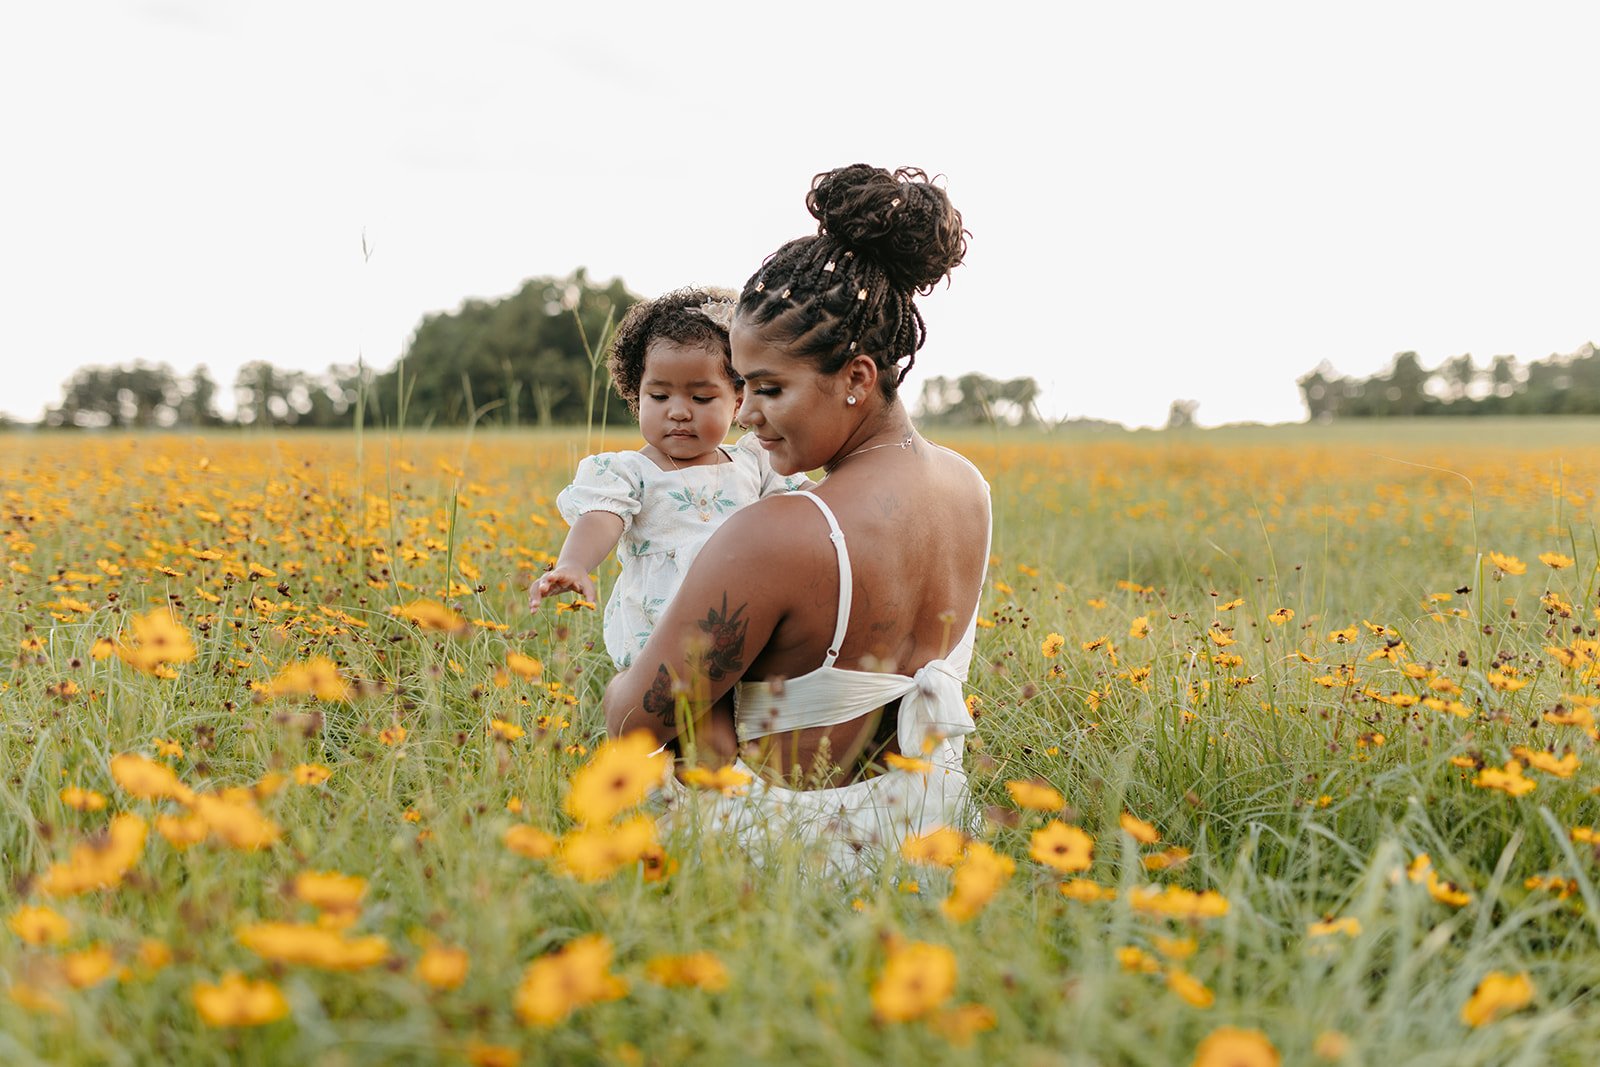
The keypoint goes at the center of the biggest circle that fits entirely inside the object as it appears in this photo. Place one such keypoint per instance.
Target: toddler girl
(671, 362)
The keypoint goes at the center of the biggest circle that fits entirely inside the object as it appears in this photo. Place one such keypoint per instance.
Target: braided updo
(882, 237)
(679, 317)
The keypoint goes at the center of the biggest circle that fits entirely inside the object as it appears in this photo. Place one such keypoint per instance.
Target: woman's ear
(861, 376)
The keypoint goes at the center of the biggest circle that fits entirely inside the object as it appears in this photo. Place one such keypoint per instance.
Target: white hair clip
(720, 311)
(862, 295)
(761, 287)
(828, 266)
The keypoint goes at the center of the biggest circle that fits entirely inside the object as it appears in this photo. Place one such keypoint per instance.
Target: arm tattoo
(726, 630)
(661, 701)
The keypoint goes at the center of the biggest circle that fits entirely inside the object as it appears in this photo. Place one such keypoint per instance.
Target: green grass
(1277, 786)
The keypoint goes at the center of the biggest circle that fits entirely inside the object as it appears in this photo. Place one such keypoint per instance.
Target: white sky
(1196, 200)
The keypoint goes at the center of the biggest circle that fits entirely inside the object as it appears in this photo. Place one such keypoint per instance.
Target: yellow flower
(594, 853)
(917, 978)
(977, 879)
(529, 841)
(236, 1001)
(1035, 795)
(698, 970)
(1136, 960)
(311, 774)
(99, 864)
(1281, 616)
(312, 946)
(1166, 859)
(392, 735)
(505, 731)
(1175, 948)
(166, 747)
(1086, 891)
(1052, 645)
(1447, 892)
(961, 1024)
(897, 762)
(727, 780)
(1547, 762)
(1508, 564)
(621, 774)
(480, 1054)
(1497, 994)
(1138, 829)
(1509, 781)
(182, 831)
(318, 676)
(1140, 627)
(39, 925)
(1066, 848)
(88, 967)
(941, 847)
(1232, 1046)
(560, 982)
(442, 966)
(431, 615)
(330, 891)
(237, 821)
(153, 955)
(525, 667)
(1175, 902)
(1555, 560)
(1349, 926)
(158, 640)
(82, 799)
(148, 779)
(1189, 988)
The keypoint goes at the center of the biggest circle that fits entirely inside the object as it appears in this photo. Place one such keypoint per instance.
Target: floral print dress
(667, 516)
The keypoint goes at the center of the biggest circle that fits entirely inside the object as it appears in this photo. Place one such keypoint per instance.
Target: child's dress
(667, 515)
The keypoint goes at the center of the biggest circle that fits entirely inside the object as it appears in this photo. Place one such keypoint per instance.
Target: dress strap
(846, 583)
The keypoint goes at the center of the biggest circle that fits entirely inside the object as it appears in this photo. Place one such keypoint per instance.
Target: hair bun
(898, 219)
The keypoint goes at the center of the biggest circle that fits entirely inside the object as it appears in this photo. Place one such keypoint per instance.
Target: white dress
(855, 825)
(667, 515)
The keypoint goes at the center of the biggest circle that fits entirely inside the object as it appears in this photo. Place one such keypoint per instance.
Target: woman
(841, 619)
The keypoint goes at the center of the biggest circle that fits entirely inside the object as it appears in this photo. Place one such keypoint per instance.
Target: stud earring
(850, 400)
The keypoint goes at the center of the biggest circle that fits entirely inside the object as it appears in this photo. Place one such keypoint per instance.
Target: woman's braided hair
(882, 237)
(680, 317)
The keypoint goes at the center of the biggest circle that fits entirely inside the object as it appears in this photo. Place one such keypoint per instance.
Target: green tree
(523, 357)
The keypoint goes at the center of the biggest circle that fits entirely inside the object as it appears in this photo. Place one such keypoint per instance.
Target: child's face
(686, 401)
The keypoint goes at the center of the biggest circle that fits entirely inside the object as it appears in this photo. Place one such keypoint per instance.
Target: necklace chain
(887, 444)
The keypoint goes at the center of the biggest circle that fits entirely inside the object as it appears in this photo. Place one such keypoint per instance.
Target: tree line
(535, 357)
(1559, 385)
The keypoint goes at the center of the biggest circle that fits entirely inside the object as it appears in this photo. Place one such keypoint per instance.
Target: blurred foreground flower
(1232, 1046)
(622, 772)
(1497, 994)
(557, 984)
(700, 970)
(917, 978)
(157, 641)
(237, 1001)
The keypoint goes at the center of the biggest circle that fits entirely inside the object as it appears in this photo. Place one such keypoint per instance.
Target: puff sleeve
(603, 483)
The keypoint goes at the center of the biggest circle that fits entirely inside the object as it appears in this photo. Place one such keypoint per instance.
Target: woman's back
(915, 526)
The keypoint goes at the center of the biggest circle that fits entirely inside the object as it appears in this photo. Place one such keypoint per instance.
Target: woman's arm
(733, 598)
(592, 537)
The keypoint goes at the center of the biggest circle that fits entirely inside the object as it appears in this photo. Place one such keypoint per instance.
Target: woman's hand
(562, 578)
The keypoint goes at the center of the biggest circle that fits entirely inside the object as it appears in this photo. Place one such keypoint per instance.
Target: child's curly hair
(687, 317)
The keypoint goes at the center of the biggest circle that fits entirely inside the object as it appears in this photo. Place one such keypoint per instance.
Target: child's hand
(560, 579)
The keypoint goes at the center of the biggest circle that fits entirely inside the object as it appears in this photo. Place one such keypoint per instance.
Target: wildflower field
(1285, 754)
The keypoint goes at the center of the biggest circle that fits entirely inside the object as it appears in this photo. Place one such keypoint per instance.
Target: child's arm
(592, 537)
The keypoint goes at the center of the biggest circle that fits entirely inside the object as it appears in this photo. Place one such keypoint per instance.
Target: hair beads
(881, 238)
